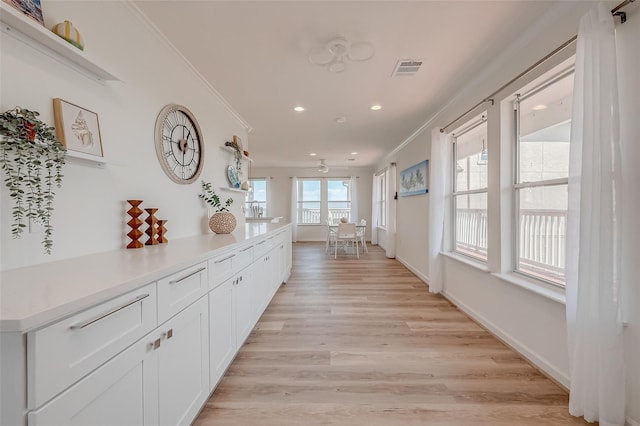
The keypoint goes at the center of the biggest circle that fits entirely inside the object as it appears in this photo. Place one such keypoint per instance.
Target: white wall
(280, 194)
(533, 324)
(90, 207)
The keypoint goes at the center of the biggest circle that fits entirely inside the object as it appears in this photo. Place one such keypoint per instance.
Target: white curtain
(354, 199)
(375, 206)
(439, 171)
(391, 211)
(594, 324)
(294, 209)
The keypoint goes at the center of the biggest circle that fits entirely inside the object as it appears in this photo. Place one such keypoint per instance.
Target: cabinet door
(222, 345)
(183, 365)
(244, 316)
(124, 391)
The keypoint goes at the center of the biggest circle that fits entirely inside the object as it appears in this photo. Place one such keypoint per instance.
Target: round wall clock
(179, 144)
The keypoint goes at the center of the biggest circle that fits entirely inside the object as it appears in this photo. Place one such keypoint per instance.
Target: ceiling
(255, 54)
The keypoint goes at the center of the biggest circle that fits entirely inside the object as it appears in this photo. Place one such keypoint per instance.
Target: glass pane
(310, 190)
(471, 225)
(545, 126)
(309, 212)
(338, 190)
(259, 190)
(472, 158)
(339, 209)
(542, 232)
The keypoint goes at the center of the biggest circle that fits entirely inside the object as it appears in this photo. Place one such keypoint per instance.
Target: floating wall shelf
(32, 33)
(228, 148)
(226, 188)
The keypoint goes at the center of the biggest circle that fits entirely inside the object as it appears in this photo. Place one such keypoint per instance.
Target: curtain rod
(614, 12)
(322, 177)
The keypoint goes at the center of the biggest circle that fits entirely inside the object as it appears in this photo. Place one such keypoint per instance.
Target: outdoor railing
(312, 216)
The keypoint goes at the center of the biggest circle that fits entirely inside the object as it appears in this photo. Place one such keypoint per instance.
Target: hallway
(362, 342)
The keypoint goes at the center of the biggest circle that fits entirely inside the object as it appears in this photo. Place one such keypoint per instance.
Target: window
(322, 199)
(256, 198)
(543, 124)
(471, 158)
(382, 204)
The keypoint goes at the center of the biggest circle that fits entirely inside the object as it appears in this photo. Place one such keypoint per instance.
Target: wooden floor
(362, 342)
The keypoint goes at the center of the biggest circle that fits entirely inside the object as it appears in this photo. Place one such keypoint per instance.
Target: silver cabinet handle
(226, 258)
(245, 249)
(187, 276)
(261, 242)
(168, 334)
(111, 312)
(155, 344)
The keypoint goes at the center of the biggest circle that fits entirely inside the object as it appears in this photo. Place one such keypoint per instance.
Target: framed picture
(414, 180)
(31, 8)
(77, 128)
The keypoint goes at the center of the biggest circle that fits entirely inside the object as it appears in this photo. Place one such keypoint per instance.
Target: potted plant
(222, 221)
(32, 159)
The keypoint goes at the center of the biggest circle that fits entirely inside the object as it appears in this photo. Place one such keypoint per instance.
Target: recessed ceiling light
(341, 119)
(299, 109)
(313, 154)
(354, 153)
(539, 107)
(375, 107)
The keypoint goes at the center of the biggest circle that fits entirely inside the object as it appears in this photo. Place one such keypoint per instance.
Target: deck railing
(541, 239)
(313, 215)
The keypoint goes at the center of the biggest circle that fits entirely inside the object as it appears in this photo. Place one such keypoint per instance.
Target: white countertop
(33, 296)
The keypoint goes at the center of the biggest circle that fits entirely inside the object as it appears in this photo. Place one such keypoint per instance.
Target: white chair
(346, 233)
(331, 235)
(361, 234)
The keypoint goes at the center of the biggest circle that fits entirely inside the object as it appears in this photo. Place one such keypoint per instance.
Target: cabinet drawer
(261, 248)
(64, 352)
(243, 258)
(179, 290)
(220, 268)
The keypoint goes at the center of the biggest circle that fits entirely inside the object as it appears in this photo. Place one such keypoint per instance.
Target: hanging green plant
(32, 160)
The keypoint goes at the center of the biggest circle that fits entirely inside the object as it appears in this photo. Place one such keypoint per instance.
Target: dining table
(360, 229)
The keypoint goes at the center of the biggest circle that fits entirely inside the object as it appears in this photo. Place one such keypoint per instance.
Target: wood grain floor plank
(362, 342)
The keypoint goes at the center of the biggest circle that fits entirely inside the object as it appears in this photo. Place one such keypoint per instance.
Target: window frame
(250, 194)
(324, 198)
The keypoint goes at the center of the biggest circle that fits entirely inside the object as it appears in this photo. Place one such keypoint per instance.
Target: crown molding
(153, 29)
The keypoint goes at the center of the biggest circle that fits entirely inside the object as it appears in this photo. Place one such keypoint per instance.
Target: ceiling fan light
(337, 66)
(338, 47)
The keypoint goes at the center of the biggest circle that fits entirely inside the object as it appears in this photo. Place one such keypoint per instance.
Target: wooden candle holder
(152, 227)
(162, 232)
(135, 223)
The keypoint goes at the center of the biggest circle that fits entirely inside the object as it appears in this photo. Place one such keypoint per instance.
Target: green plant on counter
(210, 197)
(32, 158)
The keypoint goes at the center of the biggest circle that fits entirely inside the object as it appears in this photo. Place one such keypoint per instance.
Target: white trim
(481, 266)
(173, 49)
(415, 271)
(514, 343)
(550, 291)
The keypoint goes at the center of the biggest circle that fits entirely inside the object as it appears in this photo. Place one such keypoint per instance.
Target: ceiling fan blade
(361, 51)
(320, 55)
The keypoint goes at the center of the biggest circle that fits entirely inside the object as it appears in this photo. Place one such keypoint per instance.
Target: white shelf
(99, 162)
(228, 148)
(31, 32)
(226, 188)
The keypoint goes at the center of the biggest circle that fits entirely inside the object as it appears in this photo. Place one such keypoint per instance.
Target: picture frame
(31, 8)
(415, 179)
(77, 128)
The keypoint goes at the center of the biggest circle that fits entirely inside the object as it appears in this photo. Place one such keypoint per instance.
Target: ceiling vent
(407, 67)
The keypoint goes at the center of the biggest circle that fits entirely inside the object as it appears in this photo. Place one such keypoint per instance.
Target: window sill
(467, 261)
(556, 294)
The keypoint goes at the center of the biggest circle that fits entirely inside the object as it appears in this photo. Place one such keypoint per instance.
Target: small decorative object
(343, 220)
(69, 33)
(232, 176)
(237, 145)
(162, 231)
(32, 160)
(31, 8)
(152, 227)
(246, 153)
(245, 186)
(222, 221)
(135, 223)
(77, 128)
(179, 144)
(413, 181)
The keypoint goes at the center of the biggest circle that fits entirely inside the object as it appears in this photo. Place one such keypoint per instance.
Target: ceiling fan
(323, 167)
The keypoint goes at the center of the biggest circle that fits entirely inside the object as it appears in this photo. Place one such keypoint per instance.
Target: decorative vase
(222, 223)
(68, 32)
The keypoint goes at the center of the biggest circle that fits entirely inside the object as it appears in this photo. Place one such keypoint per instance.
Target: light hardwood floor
(362, 342)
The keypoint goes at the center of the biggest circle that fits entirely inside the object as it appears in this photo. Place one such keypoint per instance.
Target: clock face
(179, 144)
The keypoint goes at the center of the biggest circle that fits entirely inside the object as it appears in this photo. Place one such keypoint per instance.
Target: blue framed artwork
(414, 180)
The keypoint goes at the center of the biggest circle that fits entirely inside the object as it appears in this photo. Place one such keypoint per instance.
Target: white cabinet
(124, 391)
(183, 365)
(222, 337)
(243, 295)
(179, 290)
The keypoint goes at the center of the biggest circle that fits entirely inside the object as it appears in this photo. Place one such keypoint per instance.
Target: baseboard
(415, 271)
(631, 422)
(536, 360)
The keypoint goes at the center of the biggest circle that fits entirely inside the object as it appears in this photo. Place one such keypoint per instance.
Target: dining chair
(331, 235)
(361, 234)
(346, 233)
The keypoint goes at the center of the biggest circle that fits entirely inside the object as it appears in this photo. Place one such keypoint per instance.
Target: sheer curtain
(439, 167)
(294, 209)
(375, 207)
(594, 324)
(353, 181)
(391, 209)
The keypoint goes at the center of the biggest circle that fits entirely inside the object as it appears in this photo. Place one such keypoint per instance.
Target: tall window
(322, 199)
(382, 197)
(543, 124)
(256, 198)
(470, 188)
